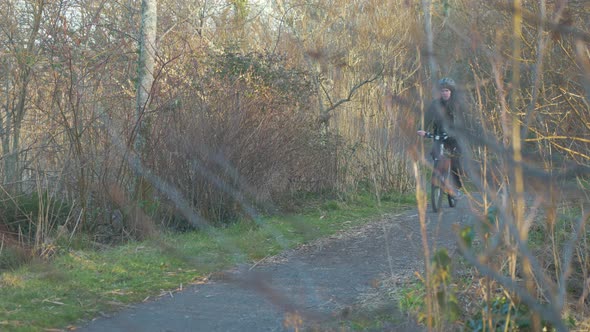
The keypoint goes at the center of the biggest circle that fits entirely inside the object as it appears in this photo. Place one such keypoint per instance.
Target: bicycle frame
(441, 173)
(442, 163)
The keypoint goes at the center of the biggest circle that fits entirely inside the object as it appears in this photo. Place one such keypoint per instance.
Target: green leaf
(467, 235)
(441, 259)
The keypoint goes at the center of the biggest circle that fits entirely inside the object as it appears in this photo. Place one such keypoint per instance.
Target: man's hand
(421, 133)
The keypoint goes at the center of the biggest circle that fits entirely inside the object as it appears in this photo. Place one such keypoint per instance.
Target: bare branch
(325, 115)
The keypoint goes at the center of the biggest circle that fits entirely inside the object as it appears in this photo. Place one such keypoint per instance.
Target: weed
(411, 298)
(503, 315)
(11, 257)
(331, 205)
(23, 214)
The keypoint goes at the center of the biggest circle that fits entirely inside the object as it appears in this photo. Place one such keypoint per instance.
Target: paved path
(319, 282)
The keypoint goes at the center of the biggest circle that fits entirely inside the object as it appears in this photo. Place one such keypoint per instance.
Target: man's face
(445, 94)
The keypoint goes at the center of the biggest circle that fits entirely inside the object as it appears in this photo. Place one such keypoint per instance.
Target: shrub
(11, 257)
(246, 143)
(21, 215)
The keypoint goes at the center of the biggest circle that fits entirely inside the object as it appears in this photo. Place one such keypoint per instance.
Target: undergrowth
(479, 303)
(79, 282)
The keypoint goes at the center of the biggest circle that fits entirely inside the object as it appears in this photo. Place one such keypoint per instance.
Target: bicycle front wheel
(440, 175)
(436, 194)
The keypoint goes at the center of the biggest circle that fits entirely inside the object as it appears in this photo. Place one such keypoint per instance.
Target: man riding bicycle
(441, 117)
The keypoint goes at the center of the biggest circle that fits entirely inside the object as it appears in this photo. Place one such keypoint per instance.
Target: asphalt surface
(307, 288)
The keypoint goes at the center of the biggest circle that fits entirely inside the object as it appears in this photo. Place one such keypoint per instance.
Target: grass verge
(76, 285)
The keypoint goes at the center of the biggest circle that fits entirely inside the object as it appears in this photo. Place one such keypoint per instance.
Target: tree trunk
(25, 59)
(145, 80)
(427, 7)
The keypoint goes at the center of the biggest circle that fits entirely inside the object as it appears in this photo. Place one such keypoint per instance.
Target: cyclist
(442, 116)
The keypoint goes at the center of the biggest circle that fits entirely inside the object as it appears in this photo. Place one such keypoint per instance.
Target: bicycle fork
(441, 174)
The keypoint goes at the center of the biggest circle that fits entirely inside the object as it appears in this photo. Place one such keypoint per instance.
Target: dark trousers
(456, 168)
(455, 153)
(457, 171)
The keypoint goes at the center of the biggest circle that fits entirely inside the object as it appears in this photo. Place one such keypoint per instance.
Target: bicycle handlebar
(440, 137)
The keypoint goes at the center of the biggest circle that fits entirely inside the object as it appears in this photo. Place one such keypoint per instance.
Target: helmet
(447, 83)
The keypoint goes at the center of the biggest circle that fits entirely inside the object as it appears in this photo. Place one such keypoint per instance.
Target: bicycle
(440, 181)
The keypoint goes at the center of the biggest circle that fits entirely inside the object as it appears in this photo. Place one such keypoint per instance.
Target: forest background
(199, 113)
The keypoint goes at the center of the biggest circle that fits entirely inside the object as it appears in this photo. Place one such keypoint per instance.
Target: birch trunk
(145, 81)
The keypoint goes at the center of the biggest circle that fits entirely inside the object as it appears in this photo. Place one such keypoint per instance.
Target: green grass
(79, 284)
(543, 233)
(375, 319)
(411, 298)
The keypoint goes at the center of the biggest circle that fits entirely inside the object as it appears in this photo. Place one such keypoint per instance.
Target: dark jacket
(444, 116)
(439, 117)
